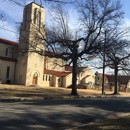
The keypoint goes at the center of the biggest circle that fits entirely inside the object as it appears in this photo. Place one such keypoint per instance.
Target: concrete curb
(17, 99)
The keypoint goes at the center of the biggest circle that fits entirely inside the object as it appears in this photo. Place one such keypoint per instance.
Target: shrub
(79, 86)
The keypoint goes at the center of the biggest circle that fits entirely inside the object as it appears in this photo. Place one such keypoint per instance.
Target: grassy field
(39, 92)
(29, 92)
(120, 123)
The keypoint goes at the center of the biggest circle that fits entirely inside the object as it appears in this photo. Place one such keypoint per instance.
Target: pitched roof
(79, 69)
(8, 59)
(5, 41)
(50, 53)
(110, 78)
(56, 73)
(68, 68)
(105, 76)
(122, 79)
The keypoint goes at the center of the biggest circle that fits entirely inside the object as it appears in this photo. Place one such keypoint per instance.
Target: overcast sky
(13, 14)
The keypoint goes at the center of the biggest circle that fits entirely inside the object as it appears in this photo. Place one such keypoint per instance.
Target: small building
(109, 81)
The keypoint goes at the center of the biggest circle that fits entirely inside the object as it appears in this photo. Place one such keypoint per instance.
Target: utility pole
(103, 64)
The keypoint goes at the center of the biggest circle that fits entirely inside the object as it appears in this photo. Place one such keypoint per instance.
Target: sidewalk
(22, 93)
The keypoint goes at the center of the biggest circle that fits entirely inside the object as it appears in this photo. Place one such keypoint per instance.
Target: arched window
(35, 15)
(49, 78)
(6, 52)
(7, 72)
(81, 74)
(43, 77)
(46, 77)
(25, 19)
(59, 80)
(37, 18)
(26, 15)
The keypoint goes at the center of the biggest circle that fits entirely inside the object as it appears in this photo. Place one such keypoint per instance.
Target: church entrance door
(34, 80)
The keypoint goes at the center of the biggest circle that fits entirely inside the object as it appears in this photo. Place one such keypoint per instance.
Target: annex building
(32, 68)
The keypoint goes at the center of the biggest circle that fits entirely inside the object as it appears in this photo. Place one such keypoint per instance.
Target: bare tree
(118, 59)
(82, 43)
(70, 45)
(115, 52)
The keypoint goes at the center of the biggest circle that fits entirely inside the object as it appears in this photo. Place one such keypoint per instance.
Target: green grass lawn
(121, 123)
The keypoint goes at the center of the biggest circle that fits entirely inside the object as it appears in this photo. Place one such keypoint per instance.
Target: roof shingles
(56, 73)
(5, 41)
(8, 59)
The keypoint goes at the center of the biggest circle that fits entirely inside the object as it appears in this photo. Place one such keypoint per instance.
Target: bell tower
(32, 26)
(29, 69)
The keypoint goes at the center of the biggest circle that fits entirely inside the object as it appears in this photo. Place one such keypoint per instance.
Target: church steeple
(33, 22)
(30, 65)
(33, 13)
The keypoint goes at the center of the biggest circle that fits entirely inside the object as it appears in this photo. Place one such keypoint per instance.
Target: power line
(9, 30)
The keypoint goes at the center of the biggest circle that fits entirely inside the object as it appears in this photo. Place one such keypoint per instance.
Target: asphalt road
(58, 114)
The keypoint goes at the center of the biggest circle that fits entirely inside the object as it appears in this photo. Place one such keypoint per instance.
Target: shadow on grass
(122, 123)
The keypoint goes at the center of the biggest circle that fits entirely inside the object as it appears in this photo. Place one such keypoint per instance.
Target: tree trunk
(103, 79)
(116, 80)
(103, 64)
(74, 77)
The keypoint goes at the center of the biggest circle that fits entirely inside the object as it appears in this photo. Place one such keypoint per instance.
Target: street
(58, 114)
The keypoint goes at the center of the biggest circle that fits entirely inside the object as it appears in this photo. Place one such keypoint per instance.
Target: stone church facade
(32, 68)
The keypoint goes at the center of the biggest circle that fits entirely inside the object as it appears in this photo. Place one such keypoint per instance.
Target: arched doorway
(35, 78)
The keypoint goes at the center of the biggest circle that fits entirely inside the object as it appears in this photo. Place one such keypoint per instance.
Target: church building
(30, 68)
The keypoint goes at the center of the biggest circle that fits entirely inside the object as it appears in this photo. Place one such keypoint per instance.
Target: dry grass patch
(121, 123)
